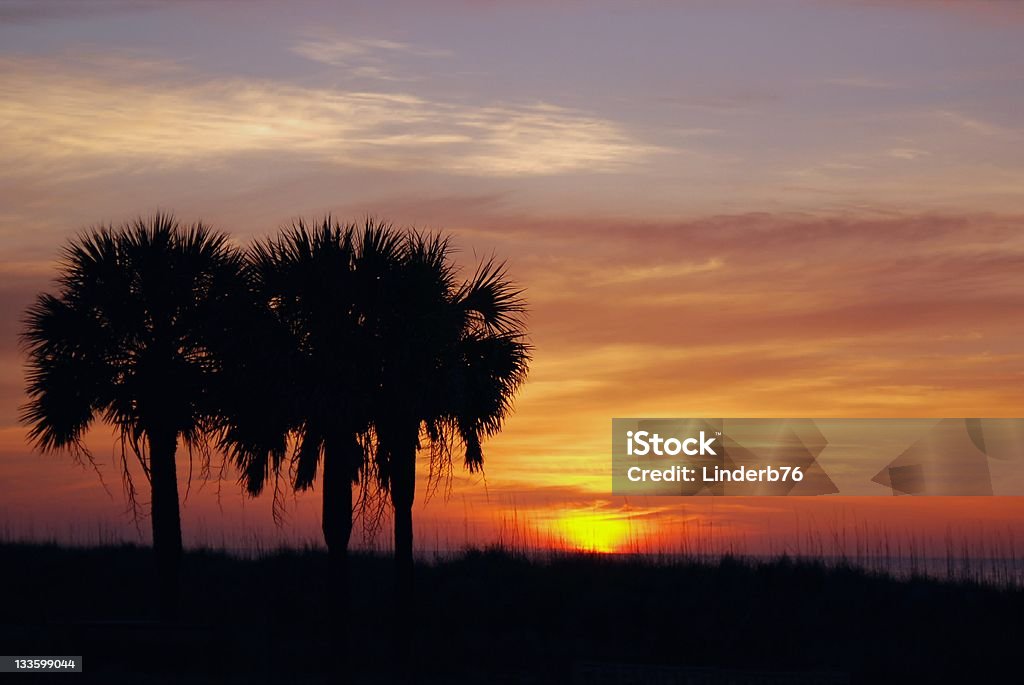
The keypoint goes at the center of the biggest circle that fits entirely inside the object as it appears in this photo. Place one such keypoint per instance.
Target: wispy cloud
(864, 82)
(31, 11)
(345, 51)
(366, 58)
(907, 153)
(976, 125)
(69, 118)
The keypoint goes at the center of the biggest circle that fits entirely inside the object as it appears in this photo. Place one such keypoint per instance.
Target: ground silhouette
(494, 617)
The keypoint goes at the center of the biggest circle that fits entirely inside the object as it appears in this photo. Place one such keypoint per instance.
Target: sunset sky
(716, 209)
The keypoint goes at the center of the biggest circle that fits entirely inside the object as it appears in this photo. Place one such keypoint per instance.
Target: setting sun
(592, 532)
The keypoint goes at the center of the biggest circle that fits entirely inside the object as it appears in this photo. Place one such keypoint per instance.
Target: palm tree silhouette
(453, 358)
(316, 355)
(128, 339)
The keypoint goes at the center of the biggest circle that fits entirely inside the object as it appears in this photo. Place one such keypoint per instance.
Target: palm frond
(490, 370)
(64, 377)
(490, 299)
(129, 335)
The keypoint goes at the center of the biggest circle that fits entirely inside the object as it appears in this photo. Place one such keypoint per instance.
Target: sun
(591, 532)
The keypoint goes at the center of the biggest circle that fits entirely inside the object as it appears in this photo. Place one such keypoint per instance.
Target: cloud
(907, 153)
(764, 306)
(660, 272)
(32, 12)
(96, 119)
(349, 51)
(861, 82)
(975, 125)
(365, 58)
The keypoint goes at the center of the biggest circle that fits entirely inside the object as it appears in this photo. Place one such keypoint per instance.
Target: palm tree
(316, 355)
(128, 339)
(453, 359)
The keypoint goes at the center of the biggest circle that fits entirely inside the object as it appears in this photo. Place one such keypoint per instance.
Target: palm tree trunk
(403, 492)
(337, 527)
(166, 518)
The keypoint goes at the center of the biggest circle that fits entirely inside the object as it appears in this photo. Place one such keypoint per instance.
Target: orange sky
(822, 218)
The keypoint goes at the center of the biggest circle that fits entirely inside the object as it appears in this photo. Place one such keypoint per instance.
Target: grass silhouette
(495, 616)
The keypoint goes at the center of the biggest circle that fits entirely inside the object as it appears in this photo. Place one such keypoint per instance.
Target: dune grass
(495, 616)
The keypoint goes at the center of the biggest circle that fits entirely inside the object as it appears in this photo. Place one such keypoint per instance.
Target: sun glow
(592, 532)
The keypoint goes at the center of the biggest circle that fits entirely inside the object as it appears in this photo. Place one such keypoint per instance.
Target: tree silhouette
(128, 339)
(309, 374)
(453, 358)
